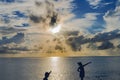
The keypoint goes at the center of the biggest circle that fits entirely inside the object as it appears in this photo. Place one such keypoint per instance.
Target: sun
(56, 29)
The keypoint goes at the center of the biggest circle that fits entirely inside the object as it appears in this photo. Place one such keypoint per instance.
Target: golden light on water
(54, 59)
(55, 63)
(56, 29)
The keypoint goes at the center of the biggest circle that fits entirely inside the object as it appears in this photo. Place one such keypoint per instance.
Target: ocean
(63, 68)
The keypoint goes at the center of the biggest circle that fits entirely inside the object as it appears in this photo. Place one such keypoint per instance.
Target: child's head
(79, 63)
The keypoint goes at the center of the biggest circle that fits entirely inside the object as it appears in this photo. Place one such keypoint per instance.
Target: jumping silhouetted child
(46, 75)
(81, 69)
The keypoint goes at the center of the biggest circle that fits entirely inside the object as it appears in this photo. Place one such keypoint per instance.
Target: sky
(62, 27)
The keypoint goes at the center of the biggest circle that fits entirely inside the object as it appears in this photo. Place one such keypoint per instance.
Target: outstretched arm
(87, 64)
(50, 72)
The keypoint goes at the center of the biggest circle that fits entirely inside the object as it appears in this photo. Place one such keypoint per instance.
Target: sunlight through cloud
(56, 29)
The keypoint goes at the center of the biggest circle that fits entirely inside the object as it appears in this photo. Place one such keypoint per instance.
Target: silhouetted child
(46, 75)
(81, 69)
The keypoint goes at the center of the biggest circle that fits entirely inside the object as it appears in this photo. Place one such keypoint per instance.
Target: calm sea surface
(101, 68)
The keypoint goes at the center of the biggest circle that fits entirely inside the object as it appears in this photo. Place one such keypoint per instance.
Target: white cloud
(112, 18)
(94, 3)
(97, 3)
(81, 24)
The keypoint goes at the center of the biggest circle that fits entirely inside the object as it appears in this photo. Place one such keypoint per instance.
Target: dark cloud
(36, 19)
(12, 45)
(92, 46)
(39, 19)
(106, 45)
(60, 48)
(43, 20)
(71, 33)
(76, 41)
(106, 36)
(4, 50)
(54, 19)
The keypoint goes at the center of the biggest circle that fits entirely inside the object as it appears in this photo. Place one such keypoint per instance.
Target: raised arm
(50, 72)
(87, 64)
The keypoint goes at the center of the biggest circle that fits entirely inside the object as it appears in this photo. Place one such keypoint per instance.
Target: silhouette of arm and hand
(47, 75)
(87, 64)
(50, 72)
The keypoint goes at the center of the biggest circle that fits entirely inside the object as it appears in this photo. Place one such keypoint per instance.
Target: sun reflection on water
(55, 64)
(54, 59)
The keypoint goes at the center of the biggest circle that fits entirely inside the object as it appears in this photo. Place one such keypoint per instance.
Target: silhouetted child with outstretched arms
(46, 75)
(81, 69)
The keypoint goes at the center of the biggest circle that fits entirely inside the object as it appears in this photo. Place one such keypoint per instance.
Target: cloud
(12, 49)
(36, 15)
(94, 4)
(46, 13)
(12, 19)
(82, 24)
(34, 18)
(112, 18)
(14, 13)
(13, 44)
(10, 30)
(51, 13)
(77, 41)
(71, 33)
(106, 45)
(18, 38)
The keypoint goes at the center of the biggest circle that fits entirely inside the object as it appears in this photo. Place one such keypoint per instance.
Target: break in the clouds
(85, 27)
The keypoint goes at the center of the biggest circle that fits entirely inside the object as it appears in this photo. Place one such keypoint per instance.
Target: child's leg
(81, 78)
